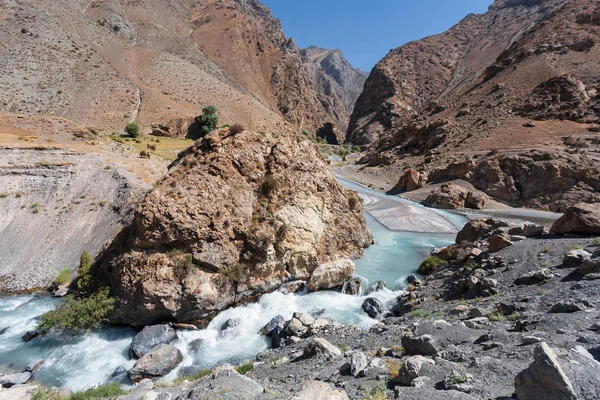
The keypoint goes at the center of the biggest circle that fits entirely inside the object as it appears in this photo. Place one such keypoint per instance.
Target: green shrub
(132, 129)
(596, 241)
(42, 393)
(78, 315)
(63, 277)
(84, 273)
(234, 272)
(377, 392)
(244, 368)
(208, 121)
(356, 149)
(429, 266)
(514, 316)
(269, 185)
(35, 207)
(109, 390)
(496, 316)
(3, 195)
(305, 133)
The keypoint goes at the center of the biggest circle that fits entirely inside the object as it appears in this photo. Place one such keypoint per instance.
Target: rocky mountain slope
(338, 85)
(107, 62)
(238, 214)
(465, 98)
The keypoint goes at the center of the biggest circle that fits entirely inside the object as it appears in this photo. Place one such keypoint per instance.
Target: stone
(305, 318)
(330, 275)
(18, 392)
(477, 323)
(159, 361)
(319, 346)
(421, 393)
(30, 335)
(475, 201)
(275, 322)
(34, 366)
(477, 313)
(411, 180)
(318, 326)
(498, 242)
(413, 280)
(228, 327)
(527, 340)
(591, 266)
(411, 369)
(447, 196)
(356, 365)
(150, 337)
(576, 257)
(15, 379)
(543, 274)
(423, 345)
(544, 379)
(316, 390)
(459, 309)
(568, 306)
(119, 375)
(373, 307)
(582, 219)
(224, 383)
(295, 327)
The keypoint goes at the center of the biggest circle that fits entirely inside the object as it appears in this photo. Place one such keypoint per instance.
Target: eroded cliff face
(237, 215)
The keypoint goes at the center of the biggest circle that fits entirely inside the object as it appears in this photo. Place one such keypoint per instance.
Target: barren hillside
(466, 97)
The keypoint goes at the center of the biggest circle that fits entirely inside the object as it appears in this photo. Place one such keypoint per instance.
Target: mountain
(338, 85)
(104, 63)
(464, 99)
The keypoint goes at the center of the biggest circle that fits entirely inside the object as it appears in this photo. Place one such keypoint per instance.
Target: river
(90, 359)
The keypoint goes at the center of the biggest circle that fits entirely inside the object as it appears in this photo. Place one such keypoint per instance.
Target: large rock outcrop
(583, 219)
(237, 216)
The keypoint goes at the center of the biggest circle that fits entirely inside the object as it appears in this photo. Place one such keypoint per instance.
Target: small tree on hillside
(208, 121)
(84, 274)
(132, 129)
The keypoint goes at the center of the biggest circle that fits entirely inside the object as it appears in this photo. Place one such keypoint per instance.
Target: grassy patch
(430, 264)
(514, 316)
(244, 368)
(377, 392)
(43, 393)
(343, 347)
(109, 390)
(458, 378)
(233, 272)
(35, 207)
(496, 316)
(63, 277)
(3, 195)
(596, 241)
(191, 378)
(392, 367)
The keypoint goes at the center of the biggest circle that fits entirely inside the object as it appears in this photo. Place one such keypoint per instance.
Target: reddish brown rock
(411, 180)
(236, 216)
(448, 196)
(582, 219)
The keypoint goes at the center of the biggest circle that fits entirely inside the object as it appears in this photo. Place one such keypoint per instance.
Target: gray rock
(228, 328)
(527, 340)
(411, 369)
(358, 363)
(373, 307)
(576, 257)
(477, 313)
(419, 345)
(30, 335)
(15, 379)
(295, 327)
(224, 383)
(319, 346)
(569, 306)
(477, 323)
(544, 379)
(591, 266)
(414, 393)
(34, 366)
(150, 337)
(277, 321)
(315, 390)
(305, 318)
(159, 361)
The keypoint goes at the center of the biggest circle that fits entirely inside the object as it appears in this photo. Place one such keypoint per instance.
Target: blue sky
(366, 30)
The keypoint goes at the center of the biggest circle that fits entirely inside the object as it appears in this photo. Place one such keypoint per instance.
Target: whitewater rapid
(89, 360)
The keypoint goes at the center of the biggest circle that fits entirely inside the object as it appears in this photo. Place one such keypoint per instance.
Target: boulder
(30, 335)
(478, 229)
(159, 361)
(276, 322)
(34, 366)
(498, 242)
(224, 383)
(316, 390)
(150, 337)
(589, 267)
(544, 379)
(569, 306)
(305, 318)
(15, 379)
(475, 201)
(419, 345)
(330, 275)
(319, 346)
(356, 365)
(295, 327)
(411, 180)
(18, 392)
(447, 196)
(373, 307)
(411, 369)
(576, 257)
(582, 219)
